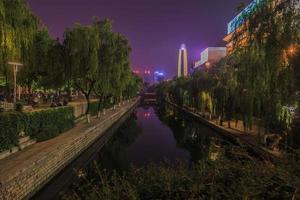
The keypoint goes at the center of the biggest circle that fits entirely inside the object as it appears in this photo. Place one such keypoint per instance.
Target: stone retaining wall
(30, 179)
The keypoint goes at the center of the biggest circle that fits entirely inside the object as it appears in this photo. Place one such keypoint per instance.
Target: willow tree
(36, 62)
(265, 79)
(121, 66)
(54, 75)
(113, 72)
(82, 44)
(103, 85)
(202, 84)
(133, 87)
(17, 29)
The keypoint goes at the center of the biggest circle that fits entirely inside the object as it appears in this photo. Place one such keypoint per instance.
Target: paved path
(16, 162)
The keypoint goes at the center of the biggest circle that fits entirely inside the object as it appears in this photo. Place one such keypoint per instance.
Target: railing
(5, 106)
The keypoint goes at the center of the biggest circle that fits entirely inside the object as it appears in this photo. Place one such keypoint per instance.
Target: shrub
(94, 108)
(41, 125)
(49, 123)
(19, 107)
(221, 179)
(11, 124)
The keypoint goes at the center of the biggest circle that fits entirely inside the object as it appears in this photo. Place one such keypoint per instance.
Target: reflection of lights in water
(147, 114)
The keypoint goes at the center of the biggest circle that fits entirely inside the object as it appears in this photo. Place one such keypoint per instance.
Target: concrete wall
(30, 179)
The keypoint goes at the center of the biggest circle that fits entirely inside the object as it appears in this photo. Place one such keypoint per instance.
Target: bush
(221, 179)
(94, 108)
(42, 125)
(49, 123)
(19, 107)
(11, 124)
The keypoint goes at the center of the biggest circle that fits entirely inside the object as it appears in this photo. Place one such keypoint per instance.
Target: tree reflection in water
(114, 153)
(201, 141)
(196, 142)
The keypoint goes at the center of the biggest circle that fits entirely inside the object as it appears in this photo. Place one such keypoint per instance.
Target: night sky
(155, 28)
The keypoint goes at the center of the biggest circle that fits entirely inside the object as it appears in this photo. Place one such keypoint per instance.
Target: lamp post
(15, 66)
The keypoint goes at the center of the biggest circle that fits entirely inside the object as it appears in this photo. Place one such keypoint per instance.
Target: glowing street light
(291, 50)
(207, 65)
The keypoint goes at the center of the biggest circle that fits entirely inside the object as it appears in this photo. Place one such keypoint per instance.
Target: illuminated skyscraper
(182, 62)
(159, 77)
(147, 77)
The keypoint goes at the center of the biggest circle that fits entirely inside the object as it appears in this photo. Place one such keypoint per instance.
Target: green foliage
(11, 124)
(19, 107)
(114, 76)
(258, 80)
(82, 45)
(47, 124)
(99, 62)
(41, 125)
(94, 108)
(18, 27)
(92, 58)
(221, 179)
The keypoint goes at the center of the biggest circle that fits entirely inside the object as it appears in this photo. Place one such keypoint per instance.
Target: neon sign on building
(242, 16)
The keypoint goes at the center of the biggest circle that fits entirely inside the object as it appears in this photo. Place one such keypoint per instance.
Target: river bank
(163, 153)
(235, 134)
(24, 173)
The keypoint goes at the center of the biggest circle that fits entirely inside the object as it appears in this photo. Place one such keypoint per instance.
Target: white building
(210, 57)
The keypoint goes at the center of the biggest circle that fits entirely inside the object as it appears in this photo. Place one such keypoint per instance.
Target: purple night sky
(155, 28)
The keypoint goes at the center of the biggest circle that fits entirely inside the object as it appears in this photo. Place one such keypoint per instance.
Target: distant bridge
(149, 97)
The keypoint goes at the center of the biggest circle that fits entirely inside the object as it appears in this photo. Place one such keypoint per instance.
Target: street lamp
(291, 50)
(207, 65)
(15, 66)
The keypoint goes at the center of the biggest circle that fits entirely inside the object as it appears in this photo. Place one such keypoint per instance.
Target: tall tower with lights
(182, 62)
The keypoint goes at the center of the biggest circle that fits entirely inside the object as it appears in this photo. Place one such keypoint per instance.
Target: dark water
(150, 134)
(154, 135)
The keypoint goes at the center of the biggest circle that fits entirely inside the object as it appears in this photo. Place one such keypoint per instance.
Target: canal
(149, 135)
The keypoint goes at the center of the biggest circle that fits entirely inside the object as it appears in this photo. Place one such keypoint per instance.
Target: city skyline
(150, 26)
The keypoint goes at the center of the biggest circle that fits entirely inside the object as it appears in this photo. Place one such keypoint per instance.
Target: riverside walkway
(24, 173)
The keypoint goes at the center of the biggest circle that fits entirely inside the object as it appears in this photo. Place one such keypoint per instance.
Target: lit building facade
(147, 77)
(210, 57)
(159, 77)
(182, 62)
(236, 28)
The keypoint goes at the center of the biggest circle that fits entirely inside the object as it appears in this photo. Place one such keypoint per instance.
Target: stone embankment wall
(30, 179)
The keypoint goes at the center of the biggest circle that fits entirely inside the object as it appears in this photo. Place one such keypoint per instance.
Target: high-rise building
(236, 27)
(237, 30)
(210, 57)
(147, 77)
(182, 61)
(159, 77)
